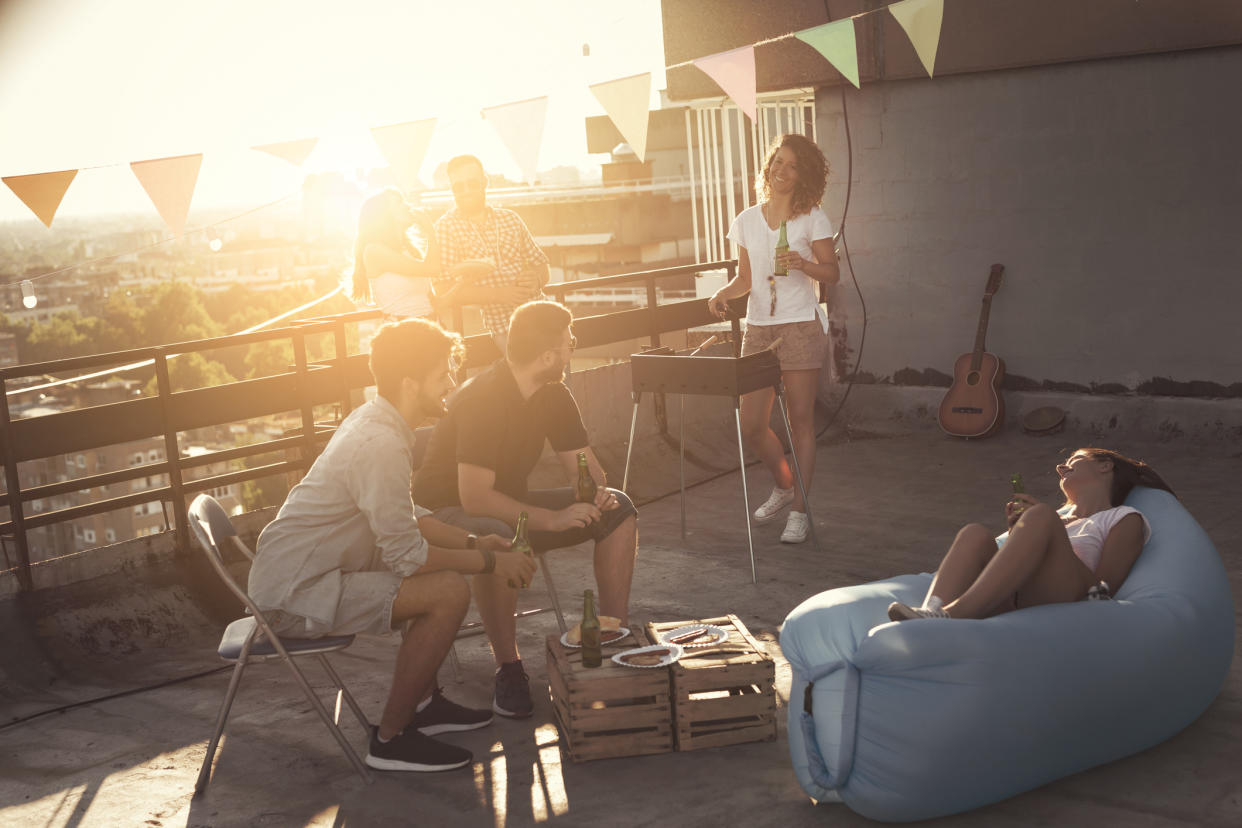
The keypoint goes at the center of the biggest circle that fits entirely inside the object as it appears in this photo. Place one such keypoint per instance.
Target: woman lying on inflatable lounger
(1049, 558)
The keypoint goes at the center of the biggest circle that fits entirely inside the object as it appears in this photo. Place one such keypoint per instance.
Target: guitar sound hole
(972, 378)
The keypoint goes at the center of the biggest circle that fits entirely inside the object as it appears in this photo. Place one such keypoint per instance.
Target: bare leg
(614, 569)
(757, 433)
(801, 389)
(973, 547)
(436, 603)
(1037, 563)
(496, 601)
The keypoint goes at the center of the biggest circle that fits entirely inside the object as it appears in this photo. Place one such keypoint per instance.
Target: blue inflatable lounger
(913, 720)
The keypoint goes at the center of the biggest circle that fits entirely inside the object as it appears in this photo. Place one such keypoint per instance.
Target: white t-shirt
(402, 296)
(1087, 534)
(796, 297)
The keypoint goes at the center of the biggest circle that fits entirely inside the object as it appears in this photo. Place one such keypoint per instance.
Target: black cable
(23, 719)
(862, 339)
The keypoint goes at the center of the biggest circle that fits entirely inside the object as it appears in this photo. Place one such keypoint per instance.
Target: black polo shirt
(488, 424)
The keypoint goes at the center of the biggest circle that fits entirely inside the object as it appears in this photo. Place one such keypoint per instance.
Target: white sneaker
(771, 508)
(796, 528)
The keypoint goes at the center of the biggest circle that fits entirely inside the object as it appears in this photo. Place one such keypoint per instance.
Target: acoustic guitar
(973, 406)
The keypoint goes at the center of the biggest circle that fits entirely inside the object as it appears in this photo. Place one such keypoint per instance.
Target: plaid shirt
(502, 237)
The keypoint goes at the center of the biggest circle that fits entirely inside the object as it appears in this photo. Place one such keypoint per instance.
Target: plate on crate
(606, 637)
(650, 657)
(712, 636)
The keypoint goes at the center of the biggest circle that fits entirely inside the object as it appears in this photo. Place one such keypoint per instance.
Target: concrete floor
(885, 504)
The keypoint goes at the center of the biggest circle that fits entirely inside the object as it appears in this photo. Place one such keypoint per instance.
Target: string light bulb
(29, 300)
(213, 240)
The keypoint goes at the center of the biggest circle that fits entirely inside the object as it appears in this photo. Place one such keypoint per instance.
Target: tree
(190, 371)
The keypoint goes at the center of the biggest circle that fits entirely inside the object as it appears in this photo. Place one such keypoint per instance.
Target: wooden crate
(722, 695)
(609, 710)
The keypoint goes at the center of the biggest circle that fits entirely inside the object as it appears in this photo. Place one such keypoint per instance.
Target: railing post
(172, 451)
(13, 482)
(342, 354)
(651, 311)
(308, 412)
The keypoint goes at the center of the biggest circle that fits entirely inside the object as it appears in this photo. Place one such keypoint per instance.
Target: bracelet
(489, 562)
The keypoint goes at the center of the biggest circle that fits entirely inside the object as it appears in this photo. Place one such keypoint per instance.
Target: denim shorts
(540, 540)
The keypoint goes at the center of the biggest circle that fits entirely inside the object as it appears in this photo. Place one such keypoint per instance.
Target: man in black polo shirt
(475, 475)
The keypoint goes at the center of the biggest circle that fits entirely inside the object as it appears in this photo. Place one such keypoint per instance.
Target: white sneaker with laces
(771, 508)
(797, 526)
(898, 611)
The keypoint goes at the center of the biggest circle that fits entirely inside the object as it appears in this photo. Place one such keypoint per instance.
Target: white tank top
(402, 296)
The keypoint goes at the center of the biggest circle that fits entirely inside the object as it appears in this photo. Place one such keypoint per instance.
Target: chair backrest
(211, 525)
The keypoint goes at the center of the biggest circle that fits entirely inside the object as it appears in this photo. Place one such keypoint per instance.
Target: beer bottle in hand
(521, 543)
(586, 488)
(592, 655)
(782, 247)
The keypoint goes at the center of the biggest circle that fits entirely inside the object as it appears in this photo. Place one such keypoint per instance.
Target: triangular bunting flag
(921, 20)
(169, 183)
(627, 102)
(404, 146)
(41, 192)
(295, 152)
(835, 41)
(734, 72)
(520, 127)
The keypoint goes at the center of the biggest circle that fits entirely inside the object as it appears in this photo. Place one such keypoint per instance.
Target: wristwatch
(472, 541)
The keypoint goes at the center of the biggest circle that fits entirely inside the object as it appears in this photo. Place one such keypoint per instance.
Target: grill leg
(741, 456)
(681, 456)
(629, 449)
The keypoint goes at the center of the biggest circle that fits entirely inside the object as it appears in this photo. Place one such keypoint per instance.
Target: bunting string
(170, 182)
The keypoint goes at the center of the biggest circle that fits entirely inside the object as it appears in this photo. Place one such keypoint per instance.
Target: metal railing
(309, 383)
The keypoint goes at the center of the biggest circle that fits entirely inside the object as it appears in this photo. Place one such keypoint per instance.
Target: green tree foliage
(190, 371)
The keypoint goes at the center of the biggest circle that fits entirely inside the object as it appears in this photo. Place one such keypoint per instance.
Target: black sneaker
(410, 750)
(444, 716)
(512, 691)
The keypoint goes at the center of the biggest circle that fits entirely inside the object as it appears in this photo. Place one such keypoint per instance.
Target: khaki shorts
(803, 346)
(365, 607)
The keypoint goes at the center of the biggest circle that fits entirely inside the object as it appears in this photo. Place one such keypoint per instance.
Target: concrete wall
(1111, 190)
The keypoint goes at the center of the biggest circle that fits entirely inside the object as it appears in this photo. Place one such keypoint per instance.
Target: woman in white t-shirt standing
(389, 269)
(1050, 556)
(784, 305)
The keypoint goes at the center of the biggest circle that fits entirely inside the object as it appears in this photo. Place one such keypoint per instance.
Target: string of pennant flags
(169, 182)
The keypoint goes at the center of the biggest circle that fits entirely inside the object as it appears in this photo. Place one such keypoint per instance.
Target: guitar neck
(976, 358)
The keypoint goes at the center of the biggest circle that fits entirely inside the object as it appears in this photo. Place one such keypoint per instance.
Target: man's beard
(551, 374)
(431, 405)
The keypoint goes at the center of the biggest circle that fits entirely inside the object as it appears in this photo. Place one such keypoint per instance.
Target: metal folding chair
(250, 639)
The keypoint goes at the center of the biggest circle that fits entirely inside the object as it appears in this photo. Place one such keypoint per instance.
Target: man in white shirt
(350, 552)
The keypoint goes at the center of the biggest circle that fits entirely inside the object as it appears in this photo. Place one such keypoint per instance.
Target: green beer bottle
(782, 247)
(586, 488)
(521, 543)
(1016, 482)
(592, 655)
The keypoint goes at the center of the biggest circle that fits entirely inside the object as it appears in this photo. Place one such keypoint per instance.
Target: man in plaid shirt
(472, 231)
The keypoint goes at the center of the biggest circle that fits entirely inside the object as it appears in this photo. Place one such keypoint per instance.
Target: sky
(101, 83)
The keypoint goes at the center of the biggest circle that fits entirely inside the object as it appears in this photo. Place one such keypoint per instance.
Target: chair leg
(349, 697)
(204, 773)
(556, 603)
(327, 720)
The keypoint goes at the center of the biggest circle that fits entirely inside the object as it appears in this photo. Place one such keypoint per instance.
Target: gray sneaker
(512, 697)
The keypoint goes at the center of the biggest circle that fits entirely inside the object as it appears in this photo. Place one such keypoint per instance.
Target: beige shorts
(803, 346)
(365, 607)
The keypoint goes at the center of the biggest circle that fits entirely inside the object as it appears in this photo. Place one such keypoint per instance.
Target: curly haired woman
(788, 191)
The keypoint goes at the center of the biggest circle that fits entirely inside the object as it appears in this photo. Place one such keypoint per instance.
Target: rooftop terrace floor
(885, 505)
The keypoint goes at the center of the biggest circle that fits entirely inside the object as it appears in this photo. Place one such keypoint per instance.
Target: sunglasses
(772, 293)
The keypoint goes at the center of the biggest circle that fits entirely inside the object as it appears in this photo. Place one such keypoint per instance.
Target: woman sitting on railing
(389, 269)
(787, 316)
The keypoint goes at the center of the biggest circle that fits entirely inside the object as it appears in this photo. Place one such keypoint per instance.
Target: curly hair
(410, 348)
(812, 172)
